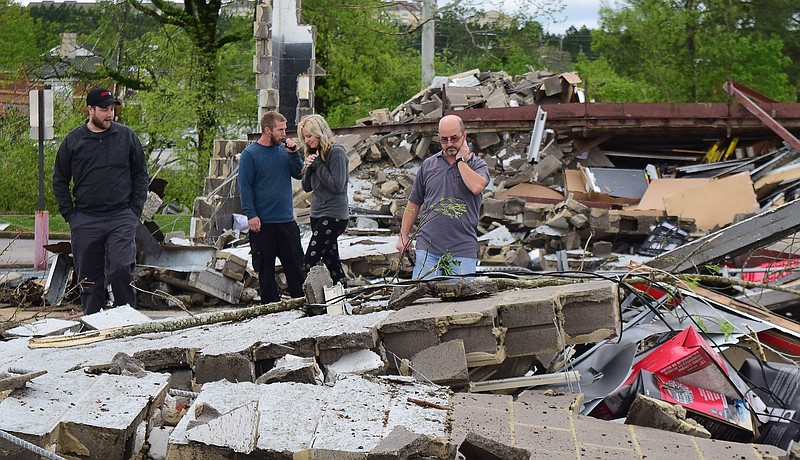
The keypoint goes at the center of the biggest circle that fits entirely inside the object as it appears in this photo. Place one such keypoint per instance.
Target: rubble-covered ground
(632, 301)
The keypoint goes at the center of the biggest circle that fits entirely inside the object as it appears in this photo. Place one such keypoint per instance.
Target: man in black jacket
(106, 165)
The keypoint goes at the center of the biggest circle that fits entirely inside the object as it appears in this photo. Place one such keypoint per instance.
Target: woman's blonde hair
(317, 127)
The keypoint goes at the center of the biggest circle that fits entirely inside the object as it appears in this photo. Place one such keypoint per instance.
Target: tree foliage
(17, 37)
(686, 50)
(187, 67)
(368, 67)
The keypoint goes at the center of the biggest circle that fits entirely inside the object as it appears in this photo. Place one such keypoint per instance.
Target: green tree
(780, 18)
(19, 191)
(17, 37)
(201, 24)
(686, 50)
(603, 84)
(366, 64)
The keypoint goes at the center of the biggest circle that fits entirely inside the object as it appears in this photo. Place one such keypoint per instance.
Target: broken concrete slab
(476, 447)
(206, 281)
(229, 421)
(315, 283)
(350, 418)
(655, 413)
(99, 417)
(400, 444)
(539, 320)
(109, 421)
(472, 321)
(292, 368)
(123, 315)
(43, 327)
(359, 362)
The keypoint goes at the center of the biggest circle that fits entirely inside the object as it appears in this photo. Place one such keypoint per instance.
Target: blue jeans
(426, 261)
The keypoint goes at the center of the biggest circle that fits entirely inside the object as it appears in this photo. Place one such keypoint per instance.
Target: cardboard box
(715, 204)
(725, 418)
(691, 365)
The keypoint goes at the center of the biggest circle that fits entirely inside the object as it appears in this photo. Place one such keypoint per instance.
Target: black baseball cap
(101, 97)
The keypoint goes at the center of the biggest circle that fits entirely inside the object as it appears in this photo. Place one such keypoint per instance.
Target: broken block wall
(285, 60)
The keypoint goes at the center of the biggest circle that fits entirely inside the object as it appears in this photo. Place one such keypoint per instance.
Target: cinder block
(109, 421)
(528, 307)
(532, 340)
(444, 364)
(484, 140)
(233, 367)
(484, 414)
(204, 207)
(404, 345)
(292, 368)
(513, 206)
(492, 208)
(549, 442)
(590, 311)
(655, 413)
(304, 347)
(477, 339)
(546, 167)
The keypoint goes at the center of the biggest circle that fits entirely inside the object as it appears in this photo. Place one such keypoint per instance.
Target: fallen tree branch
(167, 326)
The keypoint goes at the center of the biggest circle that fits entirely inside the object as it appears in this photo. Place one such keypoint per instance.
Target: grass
(26, 223)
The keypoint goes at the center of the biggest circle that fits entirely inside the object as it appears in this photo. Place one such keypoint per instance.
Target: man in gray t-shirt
(447, 193)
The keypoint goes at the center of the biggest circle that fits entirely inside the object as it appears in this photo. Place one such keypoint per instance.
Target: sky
(576, 13)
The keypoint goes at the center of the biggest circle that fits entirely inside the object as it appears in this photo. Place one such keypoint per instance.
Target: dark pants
(324, 246)
(104, 249)
(281, 241)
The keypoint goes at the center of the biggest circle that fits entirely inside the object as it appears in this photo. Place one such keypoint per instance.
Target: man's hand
(254, 224)
(290, 145)
(404, 246)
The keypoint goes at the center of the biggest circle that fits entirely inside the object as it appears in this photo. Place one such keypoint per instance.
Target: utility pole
(428, 41)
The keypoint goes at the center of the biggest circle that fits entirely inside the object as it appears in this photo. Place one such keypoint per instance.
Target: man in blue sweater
(266, 169)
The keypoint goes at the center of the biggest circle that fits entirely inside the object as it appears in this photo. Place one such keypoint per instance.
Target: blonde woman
(325, 175)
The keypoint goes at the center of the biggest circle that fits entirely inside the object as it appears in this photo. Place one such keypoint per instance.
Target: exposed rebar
(31, 447)
(185, 394)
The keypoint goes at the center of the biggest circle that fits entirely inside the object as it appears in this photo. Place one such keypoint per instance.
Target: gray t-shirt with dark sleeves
(440, 233)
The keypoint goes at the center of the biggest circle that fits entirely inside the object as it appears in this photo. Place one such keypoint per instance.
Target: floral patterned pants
(324, 246)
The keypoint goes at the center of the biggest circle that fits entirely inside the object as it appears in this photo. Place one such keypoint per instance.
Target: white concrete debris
(123, 315)
(43, 327)
(352, 416)
(357, 362)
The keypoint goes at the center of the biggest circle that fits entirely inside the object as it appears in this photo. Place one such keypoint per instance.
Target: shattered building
(635, 297)
(620, 341)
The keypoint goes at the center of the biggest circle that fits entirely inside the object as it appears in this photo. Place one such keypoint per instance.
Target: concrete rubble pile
(562, 195)
(559, 204)
(680, 353)
(480, 373)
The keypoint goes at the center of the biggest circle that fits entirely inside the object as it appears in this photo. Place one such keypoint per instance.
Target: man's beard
(101, 122)
(451, 151)
(275, 139)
